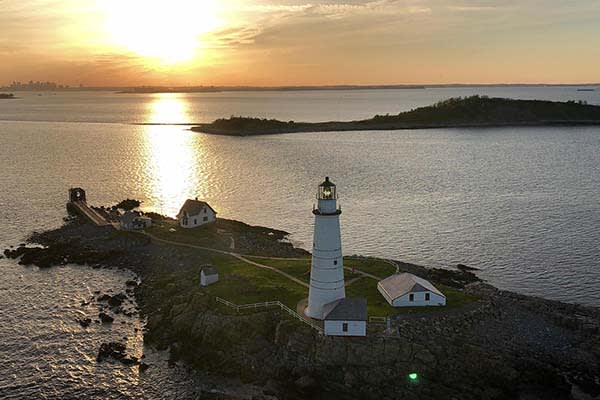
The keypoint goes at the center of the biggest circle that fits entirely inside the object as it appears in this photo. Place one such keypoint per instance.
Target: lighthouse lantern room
(327, 268)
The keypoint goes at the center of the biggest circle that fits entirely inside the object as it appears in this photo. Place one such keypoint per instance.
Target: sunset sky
(293, 42)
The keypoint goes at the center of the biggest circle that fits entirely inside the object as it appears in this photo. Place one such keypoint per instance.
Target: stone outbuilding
(345, 317)
(132, 221)
(208, 275)
(408, 290)
(195, 213)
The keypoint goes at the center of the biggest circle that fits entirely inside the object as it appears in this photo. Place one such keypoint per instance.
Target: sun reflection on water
(171, 157)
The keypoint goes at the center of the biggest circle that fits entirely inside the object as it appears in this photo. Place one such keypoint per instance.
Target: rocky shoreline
(505, 345)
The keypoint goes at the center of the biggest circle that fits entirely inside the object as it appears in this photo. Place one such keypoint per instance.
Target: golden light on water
(165, 31)
(172, 158)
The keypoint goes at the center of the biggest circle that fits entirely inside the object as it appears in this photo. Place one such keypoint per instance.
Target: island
(7, 96)
(485, 344)
(473, 111)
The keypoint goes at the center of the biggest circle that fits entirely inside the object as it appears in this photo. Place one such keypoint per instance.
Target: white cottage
(208, 275)
(132, 221)
(345, 317)
(408, 290)
(195, 213)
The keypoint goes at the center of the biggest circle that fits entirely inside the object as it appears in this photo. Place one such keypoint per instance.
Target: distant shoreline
(291, 88)
(470, 112)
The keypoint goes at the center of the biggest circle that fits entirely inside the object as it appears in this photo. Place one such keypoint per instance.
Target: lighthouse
(327, 268)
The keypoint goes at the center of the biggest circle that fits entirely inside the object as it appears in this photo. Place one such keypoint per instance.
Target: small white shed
(345, 317)
(131, 221)
(195, 213)
(408, 290)
(208, 275)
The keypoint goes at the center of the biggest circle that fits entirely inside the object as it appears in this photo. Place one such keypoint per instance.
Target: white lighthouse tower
(327, 269)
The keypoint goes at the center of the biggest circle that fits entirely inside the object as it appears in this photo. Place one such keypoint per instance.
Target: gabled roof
(400, 284)
(346, 309)
(194, 207)
(209, 270)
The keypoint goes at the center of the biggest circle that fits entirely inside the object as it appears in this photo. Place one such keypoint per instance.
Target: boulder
(115, 351)
(105, 318)
(116, 300)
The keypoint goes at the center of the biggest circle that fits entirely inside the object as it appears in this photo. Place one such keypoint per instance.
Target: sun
(168, 31)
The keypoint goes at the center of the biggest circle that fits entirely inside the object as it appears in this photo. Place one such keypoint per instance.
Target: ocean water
(521, 204)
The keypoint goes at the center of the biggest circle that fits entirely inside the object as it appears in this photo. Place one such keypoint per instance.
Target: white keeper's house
(408, 290)
(195, 213)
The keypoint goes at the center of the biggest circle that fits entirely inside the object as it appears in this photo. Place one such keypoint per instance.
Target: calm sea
(521, 204)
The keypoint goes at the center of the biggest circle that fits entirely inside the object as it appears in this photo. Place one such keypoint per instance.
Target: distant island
(7, 96)
(213, 89)
(474, 111)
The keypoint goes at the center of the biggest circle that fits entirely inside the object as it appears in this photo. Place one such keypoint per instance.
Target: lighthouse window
(334, 262)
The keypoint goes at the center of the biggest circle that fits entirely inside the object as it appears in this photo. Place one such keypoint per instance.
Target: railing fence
(267, 304)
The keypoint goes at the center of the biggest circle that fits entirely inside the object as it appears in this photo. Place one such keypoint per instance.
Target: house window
(185, 221)
(411, 297)
(195, 221)
(205, 219)
(344, 327)
(334, 262)
(427, 297)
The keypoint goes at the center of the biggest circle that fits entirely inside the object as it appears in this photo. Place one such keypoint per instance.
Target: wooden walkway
(89, 213)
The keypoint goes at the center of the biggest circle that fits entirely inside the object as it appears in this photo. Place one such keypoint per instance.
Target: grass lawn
(379, 307)
(205, 235)
(376, 267)
(242, 283)
(297, 268)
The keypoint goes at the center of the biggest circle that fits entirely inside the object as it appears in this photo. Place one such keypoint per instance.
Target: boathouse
(345, 317)
(195, 213)
(408, 290)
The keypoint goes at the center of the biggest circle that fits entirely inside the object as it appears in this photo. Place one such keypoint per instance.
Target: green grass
(242, 283)
(297, 268)
(379, 307)
(373, 266)
(205, 235)
(365, 287)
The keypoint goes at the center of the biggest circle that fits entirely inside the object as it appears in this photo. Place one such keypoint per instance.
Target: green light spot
(413, 376)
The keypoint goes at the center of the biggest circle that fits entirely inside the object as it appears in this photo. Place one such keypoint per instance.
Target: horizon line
(141, 88)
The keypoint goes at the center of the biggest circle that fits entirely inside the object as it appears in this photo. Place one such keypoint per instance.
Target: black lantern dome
(327, 190)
